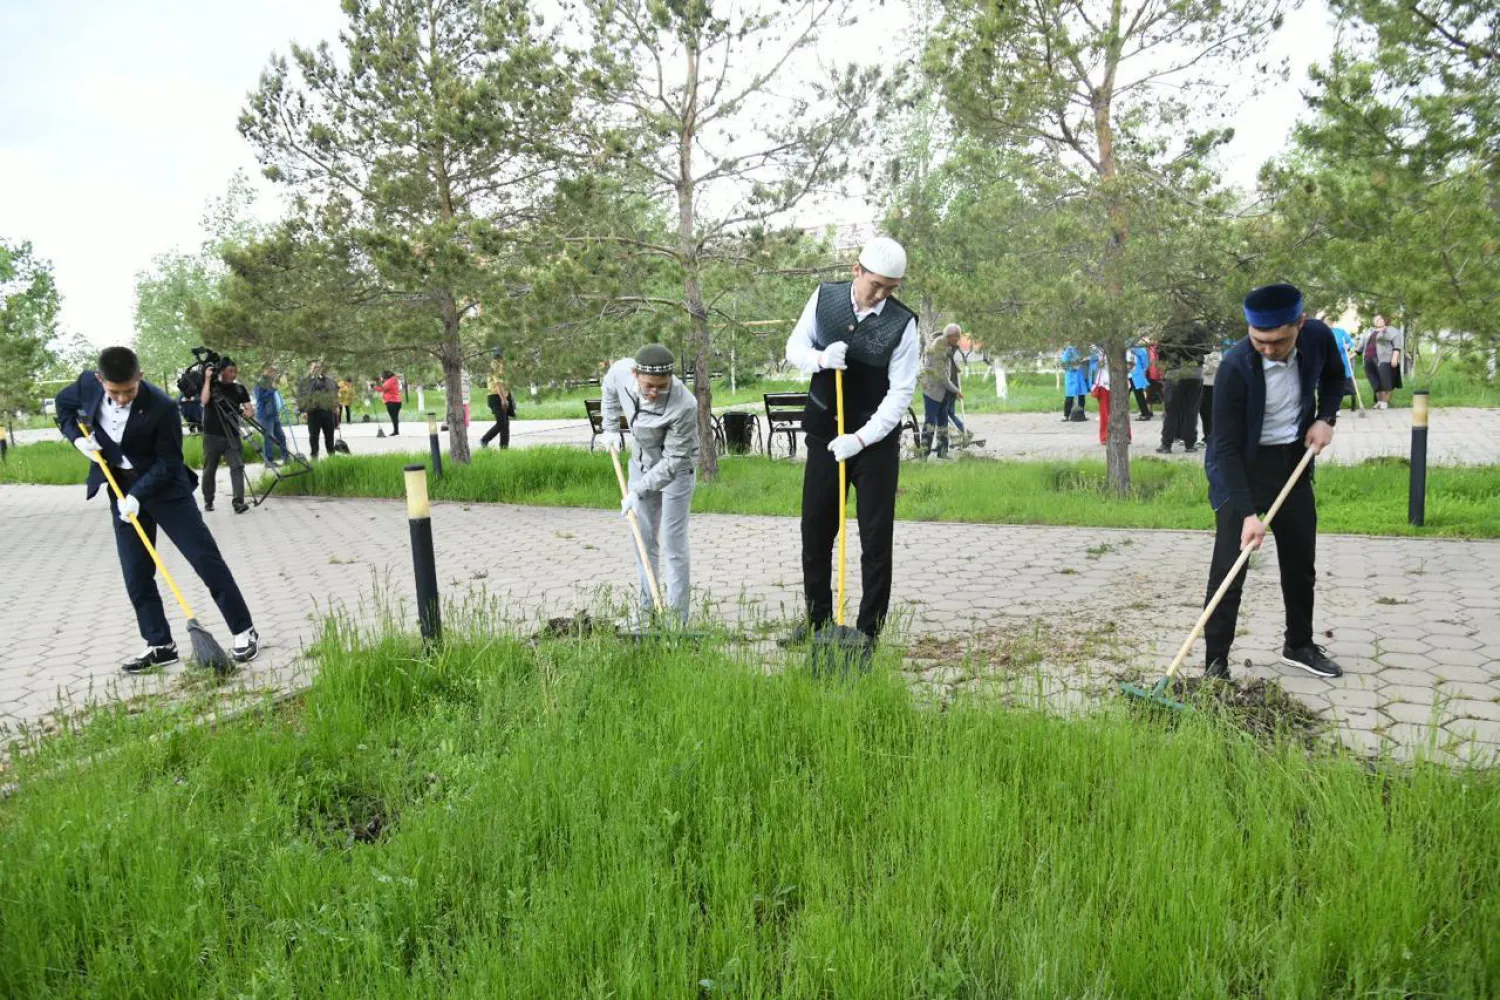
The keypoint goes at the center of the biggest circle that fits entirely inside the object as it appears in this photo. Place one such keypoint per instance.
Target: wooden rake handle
(161, 567)
(838, 396)
(1234, 571)
(635, 529)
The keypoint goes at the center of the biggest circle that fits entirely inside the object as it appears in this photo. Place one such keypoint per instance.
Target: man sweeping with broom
(132, 433)
(1276, 397)
(860, 346)
(663, 418)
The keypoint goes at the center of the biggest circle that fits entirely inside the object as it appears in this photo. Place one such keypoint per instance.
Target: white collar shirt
(1283, 400)
(112, 420)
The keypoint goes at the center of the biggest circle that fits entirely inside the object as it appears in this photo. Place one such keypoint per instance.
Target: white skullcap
(885, 257)
(952, 328)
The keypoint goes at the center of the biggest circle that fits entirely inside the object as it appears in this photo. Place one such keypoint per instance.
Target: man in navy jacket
(138, 429)
(1276, 395)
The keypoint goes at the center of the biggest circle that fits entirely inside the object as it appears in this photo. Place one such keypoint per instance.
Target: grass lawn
(589, 819)
(58, 463)
(1363, 499)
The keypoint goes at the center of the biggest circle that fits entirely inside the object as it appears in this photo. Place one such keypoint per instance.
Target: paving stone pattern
(1415, 622)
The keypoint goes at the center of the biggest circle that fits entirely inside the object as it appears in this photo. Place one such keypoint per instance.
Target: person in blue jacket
(1140, 361)
(268, 414)
(1346, 349)
(1075, 383)
(1276, 397)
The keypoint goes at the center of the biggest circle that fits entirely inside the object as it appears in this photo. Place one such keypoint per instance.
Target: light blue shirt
(1283, 400)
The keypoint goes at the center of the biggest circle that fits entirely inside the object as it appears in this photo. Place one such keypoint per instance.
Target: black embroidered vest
(872, 341)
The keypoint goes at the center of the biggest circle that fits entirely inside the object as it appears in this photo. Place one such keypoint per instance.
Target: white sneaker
(1382, 405)
(246, 646)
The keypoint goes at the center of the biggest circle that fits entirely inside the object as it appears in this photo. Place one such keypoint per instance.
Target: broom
(206, 649)
(1157, 694)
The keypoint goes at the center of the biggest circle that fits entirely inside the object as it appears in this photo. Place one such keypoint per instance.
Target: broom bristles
(206, 649)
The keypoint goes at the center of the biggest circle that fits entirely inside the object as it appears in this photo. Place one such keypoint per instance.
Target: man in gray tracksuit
(663, 419)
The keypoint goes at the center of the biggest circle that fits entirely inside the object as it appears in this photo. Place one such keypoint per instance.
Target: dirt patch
(1020, 645)
(1260, 707)
(578, 626)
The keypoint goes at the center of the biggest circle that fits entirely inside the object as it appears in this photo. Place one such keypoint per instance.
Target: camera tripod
(248, 429)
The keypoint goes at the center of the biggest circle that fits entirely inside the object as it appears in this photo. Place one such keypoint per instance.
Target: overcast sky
(117, 125)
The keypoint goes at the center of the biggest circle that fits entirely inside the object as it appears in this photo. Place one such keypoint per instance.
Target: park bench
(784, 416)
(595, 410)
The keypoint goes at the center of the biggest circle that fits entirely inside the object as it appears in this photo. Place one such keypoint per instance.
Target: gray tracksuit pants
(663, 518)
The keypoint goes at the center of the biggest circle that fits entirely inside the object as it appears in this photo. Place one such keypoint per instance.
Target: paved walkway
(1460, 436)
(1415, 622)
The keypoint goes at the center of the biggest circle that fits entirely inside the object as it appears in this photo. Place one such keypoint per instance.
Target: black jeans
(1141, 402)
(183, 523)
(1206, 411)
(502, 424)
(348, 414)
(1180, 422)
(228, 449)
(1070, 401)
(320, 421)
(1296, 531)
(873, 475)
(394, 409)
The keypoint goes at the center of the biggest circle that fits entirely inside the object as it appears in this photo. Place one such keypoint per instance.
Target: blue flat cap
(1270, 306)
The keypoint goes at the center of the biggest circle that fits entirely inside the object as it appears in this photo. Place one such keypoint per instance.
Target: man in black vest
(139, 431)
(859, 328)
(1276, 396)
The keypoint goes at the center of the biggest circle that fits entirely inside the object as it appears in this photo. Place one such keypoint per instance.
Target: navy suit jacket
(1240, 410)
(152, 439)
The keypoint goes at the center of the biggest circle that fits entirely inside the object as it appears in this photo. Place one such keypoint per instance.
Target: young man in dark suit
(138, 429)
(1276, 395)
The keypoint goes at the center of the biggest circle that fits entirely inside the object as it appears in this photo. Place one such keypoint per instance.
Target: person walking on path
(1181, 354)
(346, 401)
(268, 414)
(939, 388)
(1140, 380)
(502, 404)
(662, 414)
(224, 400)
(318, 397)
(860, 328)
(1075, 383)
(1346, 353)
(390, 394)
(1382, 355)
(1276, 396)
(138, 430)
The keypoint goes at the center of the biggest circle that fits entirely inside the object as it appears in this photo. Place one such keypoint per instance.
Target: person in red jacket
(390, 392)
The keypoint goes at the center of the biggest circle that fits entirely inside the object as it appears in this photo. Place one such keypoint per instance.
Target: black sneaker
(240, 506)
(1312, 659)
(152, 658)
(799, 635)
(1190, 447)
(208, 504)
(246, 646)
(1217, 670)
(1165, 449)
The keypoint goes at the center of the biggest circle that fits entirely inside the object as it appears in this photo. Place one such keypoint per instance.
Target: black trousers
(215, 448)
(183, 524)
(1206, 411)
(502, 424)
(1070, 401)
(348, 414)
(1180, 422)
(320, 422)
(1142, 403)
(1296, 531)
(873, 475)
(394, 409)
(1349, 395)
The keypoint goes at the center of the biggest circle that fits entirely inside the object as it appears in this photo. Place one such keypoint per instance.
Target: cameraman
(223, 401)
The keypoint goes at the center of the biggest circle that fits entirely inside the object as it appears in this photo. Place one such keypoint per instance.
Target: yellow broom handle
(635, 529)
(838, 394)
(155, 557)
(1239, 564)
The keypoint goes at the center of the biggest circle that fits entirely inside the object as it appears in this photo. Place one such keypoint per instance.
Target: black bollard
(432, 440)
(1416, 496)
(423, 557)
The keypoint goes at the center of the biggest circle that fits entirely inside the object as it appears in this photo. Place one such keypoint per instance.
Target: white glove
(612, 442)
(628, 503)
(833, 356)
(845, 447)
(86, 444)
(129, 507)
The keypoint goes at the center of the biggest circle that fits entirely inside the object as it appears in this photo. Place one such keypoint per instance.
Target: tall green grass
(590, 820)
(58, 463)
(1364, 499)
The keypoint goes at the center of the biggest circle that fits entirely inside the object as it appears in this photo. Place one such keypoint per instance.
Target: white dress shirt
(1283, 400)
(112, 420)
(905, 366)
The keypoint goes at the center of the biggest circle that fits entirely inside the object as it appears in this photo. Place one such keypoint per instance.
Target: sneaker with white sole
(246, 646)
(1311, 658)
(151, 658)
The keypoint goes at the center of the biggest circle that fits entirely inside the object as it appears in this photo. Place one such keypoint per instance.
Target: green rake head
(1156, 695)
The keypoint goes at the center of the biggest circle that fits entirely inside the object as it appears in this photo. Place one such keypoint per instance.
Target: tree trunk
(1117, 441)
(452, 357)
(698, 342)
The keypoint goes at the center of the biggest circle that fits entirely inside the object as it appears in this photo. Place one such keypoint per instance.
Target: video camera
(190, 382)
